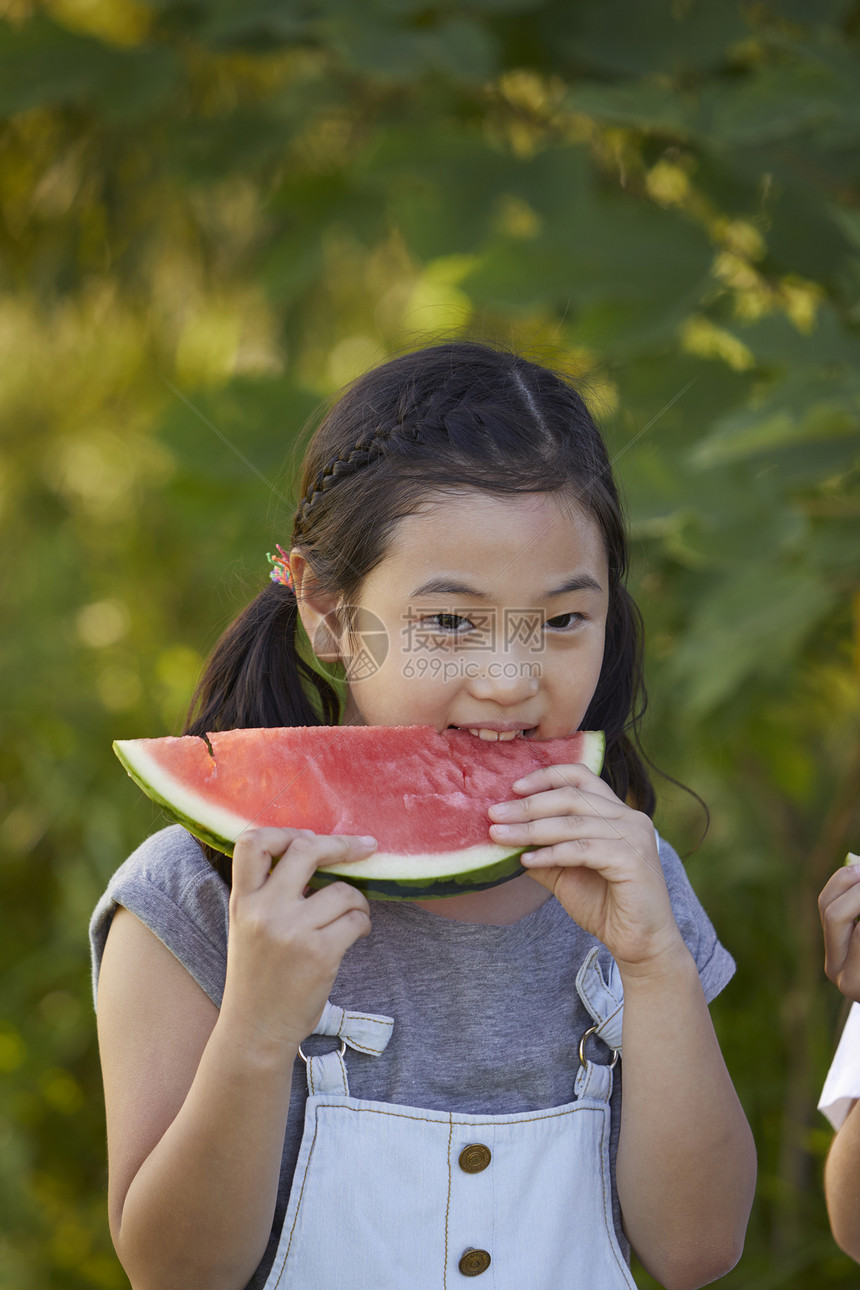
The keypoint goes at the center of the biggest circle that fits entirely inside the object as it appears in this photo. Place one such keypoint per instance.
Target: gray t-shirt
(487, 1018)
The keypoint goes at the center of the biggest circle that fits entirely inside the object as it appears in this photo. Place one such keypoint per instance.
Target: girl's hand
(285, 946)
(839, 907)
(599, 859)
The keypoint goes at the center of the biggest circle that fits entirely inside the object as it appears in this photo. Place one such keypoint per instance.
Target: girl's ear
(316, 610)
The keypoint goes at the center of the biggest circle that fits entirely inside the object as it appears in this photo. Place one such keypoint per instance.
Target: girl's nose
(505, 683)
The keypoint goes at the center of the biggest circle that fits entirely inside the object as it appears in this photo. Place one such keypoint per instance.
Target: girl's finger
(601, 855)
(300, 853)
(562, 828)
(840, 882)
(310, 851)
(573, 775)
(568, 800)
(839, 920)
(847, 977)
(331, 902)
(342, 932)
(254, 854)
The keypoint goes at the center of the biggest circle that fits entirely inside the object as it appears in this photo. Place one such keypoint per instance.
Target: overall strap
(604, 999)
(364, 1032)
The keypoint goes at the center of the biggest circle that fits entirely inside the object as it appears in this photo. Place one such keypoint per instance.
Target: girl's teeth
(494, 735)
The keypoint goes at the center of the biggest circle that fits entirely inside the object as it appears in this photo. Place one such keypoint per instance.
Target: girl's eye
(447, 624)
(450, 622)
(565, 622)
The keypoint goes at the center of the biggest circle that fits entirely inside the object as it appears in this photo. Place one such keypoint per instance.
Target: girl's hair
(450, 417)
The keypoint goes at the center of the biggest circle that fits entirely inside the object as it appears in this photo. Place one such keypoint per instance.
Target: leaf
(651, 36)
(803, 408)
(204, 151)
(441, 185)
(256, 23)
(776, 342)
(774, 104)
(804, 237)
(630, 270)
(824, 13)
(458, 48)
(43, 65)
(849, 221)
(643, 105)
(751, 626)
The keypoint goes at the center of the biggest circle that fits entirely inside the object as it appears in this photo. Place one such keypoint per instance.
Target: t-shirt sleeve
(174, 891)
(842, 1086)
(716, 966)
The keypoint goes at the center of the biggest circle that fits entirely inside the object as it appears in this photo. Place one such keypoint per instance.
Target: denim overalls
(400, 1197)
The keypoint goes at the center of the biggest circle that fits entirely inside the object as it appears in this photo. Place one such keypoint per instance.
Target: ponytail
(256, 676)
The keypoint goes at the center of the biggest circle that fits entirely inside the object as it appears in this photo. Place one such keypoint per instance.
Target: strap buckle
(307, 1059)
(592, 1030)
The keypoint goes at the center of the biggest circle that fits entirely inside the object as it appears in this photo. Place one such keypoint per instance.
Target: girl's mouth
(497, 734)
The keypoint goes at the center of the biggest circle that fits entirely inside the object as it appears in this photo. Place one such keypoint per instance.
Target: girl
(839, 906)
(449, 494)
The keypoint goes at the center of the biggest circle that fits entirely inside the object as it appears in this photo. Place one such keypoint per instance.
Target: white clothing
(842, 1086)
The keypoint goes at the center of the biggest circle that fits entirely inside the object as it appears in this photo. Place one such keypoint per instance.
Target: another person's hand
(839, 907)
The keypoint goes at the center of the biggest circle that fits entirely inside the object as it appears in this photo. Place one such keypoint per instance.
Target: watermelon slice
(421, 793)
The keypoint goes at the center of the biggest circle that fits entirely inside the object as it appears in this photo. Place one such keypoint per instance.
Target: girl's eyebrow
(579, 582)
(450, 587)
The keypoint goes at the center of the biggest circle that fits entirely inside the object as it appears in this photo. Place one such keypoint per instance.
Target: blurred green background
(215, 212)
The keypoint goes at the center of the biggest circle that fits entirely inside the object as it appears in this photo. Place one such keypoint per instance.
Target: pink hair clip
(280, 568)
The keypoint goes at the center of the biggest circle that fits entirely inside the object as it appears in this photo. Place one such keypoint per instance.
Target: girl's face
(491, 613)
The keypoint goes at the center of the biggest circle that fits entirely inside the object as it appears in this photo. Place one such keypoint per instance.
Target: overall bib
(390, 1197)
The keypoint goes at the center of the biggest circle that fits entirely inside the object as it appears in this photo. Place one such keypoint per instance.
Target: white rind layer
(442, 864)
(170, 793)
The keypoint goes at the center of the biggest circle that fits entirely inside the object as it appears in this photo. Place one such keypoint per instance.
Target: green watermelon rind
(425, 888)
(381, 876)
(150, 777)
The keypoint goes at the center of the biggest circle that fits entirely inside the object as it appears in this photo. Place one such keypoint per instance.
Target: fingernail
(367, 841)
(501, 830)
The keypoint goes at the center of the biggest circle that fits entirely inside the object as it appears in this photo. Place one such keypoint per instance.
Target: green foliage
(211, 216)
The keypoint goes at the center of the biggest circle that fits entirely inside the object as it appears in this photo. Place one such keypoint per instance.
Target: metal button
(474, 1158)
(474, 1262)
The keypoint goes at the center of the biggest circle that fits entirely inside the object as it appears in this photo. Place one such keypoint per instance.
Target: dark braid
(405, 429)
(368, 448)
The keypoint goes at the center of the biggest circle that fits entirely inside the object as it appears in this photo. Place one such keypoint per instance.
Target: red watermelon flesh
(421, 793)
